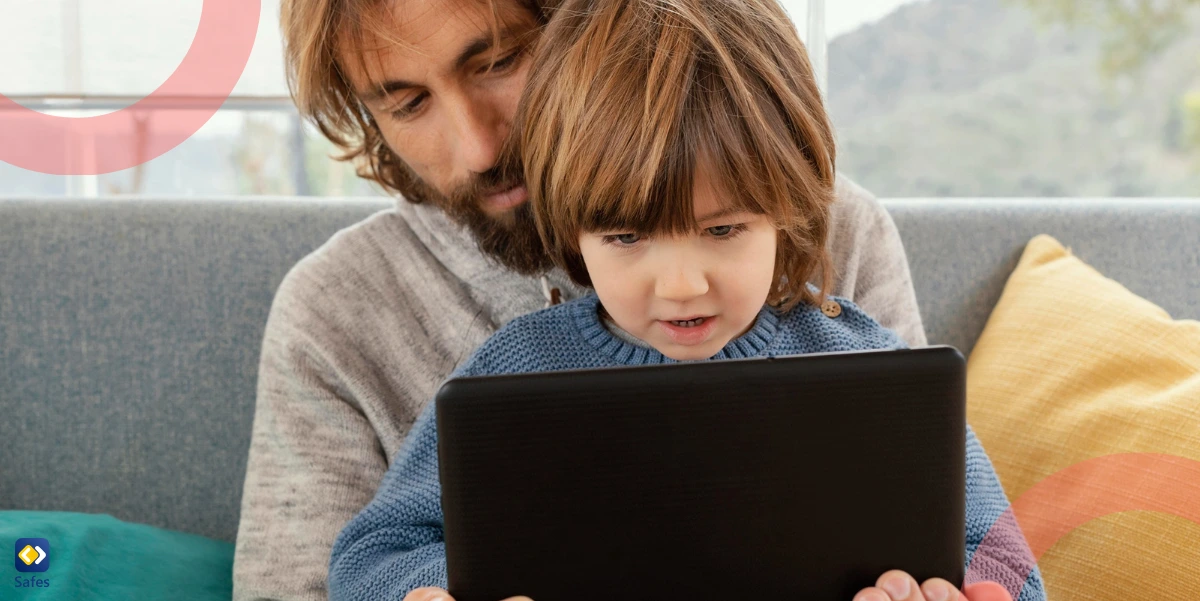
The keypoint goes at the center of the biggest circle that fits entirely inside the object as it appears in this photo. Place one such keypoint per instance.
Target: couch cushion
(1087, 398)
(129, 340)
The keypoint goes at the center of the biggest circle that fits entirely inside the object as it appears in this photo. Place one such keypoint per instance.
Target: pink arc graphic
(107, 143)
(1091, 489)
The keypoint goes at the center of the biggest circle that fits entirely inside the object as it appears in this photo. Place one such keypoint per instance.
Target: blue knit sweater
(395, 544)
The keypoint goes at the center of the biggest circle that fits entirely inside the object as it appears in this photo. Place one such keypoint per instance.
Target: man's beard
(510, 238)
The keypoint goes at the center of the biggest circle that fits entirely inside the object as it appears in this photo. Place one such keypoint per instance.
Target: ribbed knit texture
(396, 544)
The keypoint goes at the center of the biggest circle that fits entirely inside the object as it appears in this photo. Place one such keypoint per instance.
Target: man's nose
(681, 279)
(479, 129)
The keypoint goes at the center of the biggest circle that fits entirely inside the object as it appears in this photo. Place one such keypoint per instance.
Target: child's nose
(681, 282)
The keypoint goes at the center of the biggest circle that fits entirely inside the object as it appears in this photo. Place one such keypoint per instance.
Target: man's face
(445, 109)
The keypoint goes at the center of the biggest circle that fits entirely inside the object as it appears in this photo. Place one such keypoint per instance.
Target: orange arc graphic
(1091, 489)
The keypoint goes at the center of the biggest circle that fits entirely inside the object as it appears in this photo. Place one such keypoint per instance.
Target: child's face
(721, 275)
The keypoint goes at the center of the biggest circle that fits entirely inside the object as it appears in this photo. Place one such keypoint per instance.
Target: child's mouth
(690, 331)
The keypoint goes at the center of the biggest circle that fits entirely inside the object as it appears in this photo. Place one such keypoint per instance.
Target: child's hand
(899, 586)
(430, 593)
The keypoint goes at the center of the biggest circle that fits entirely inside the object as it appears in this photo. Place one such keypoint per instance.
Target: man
(364, 330)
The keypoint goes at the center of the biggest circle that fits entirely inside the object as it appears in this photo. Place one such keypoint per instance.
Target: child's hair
(628, 98)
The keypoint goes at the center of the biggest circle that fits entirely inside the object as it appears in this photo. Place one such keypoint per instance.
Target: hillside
(976, 98)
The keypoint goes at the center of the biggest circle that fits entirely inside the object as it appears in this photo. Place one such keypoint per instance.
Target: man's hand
(899, 586)
(430, 593)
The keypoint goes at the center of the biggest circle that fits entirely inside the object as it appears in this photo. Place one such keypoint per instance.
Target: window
(928, 97)
(80, 58)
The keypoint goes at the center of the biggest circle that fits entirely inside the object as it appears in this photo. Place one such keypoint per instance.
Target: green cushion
(98, 557)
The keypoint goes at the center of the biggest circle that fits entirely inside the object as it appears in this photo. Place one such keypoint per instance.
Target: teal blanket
(100, 558)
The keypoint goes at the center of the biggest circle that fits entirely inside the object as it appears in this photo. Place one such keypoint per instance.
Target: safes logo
(33, 555)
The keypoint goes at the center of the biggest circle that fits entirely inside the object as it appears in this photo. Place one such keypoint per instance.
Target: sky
(842, 16)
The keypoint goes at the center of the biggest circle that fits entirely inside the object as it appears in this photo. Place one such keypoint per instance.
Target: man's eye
(503, 63)
(623, 239)
(411, 107)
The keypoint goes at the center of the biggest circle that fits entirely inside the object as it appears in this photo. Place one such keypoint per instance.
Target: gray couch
(130, 329)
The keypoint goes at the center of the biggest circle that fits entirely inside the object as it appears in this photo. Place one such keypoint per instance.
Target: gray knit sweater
(363, 331)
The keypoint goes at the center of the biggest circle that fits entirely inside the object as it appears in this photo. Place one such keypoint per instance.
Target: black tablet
(798, 478)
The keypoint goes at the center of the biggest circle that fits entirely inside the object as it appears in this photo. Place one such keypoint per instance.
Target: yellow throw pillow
(1087, 399)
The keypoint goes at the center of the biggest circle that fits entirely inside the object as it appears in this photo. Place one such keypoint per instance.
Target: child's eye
(726, 231)
(622, 239)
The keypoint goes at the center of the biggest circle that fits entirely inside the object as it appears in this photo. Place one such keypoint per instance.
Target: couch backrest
(129, 341)
(130, 330)
(961, 252)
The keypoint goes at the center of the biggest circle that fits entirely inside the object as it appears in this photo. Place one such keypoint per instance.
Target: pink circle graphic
(106, 143)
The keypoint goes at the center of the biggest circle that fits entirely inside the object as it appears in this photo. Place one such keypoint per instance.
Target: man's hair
(314, 34)
(627, 99)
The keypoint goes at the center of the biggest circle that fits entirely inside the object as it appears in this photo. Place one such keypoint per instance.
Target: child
(680, 163)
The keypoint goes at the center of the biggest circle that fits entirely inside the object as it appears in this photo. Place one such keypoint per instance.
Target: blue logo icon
(33, 555)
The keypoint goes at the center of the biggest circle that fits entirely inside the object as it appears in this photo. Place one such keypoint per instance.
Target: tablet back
(789, 478)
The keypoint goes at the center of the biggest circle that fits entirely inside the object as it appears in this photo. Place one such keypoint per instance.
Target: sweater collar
(586, 315)
(505, 294)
